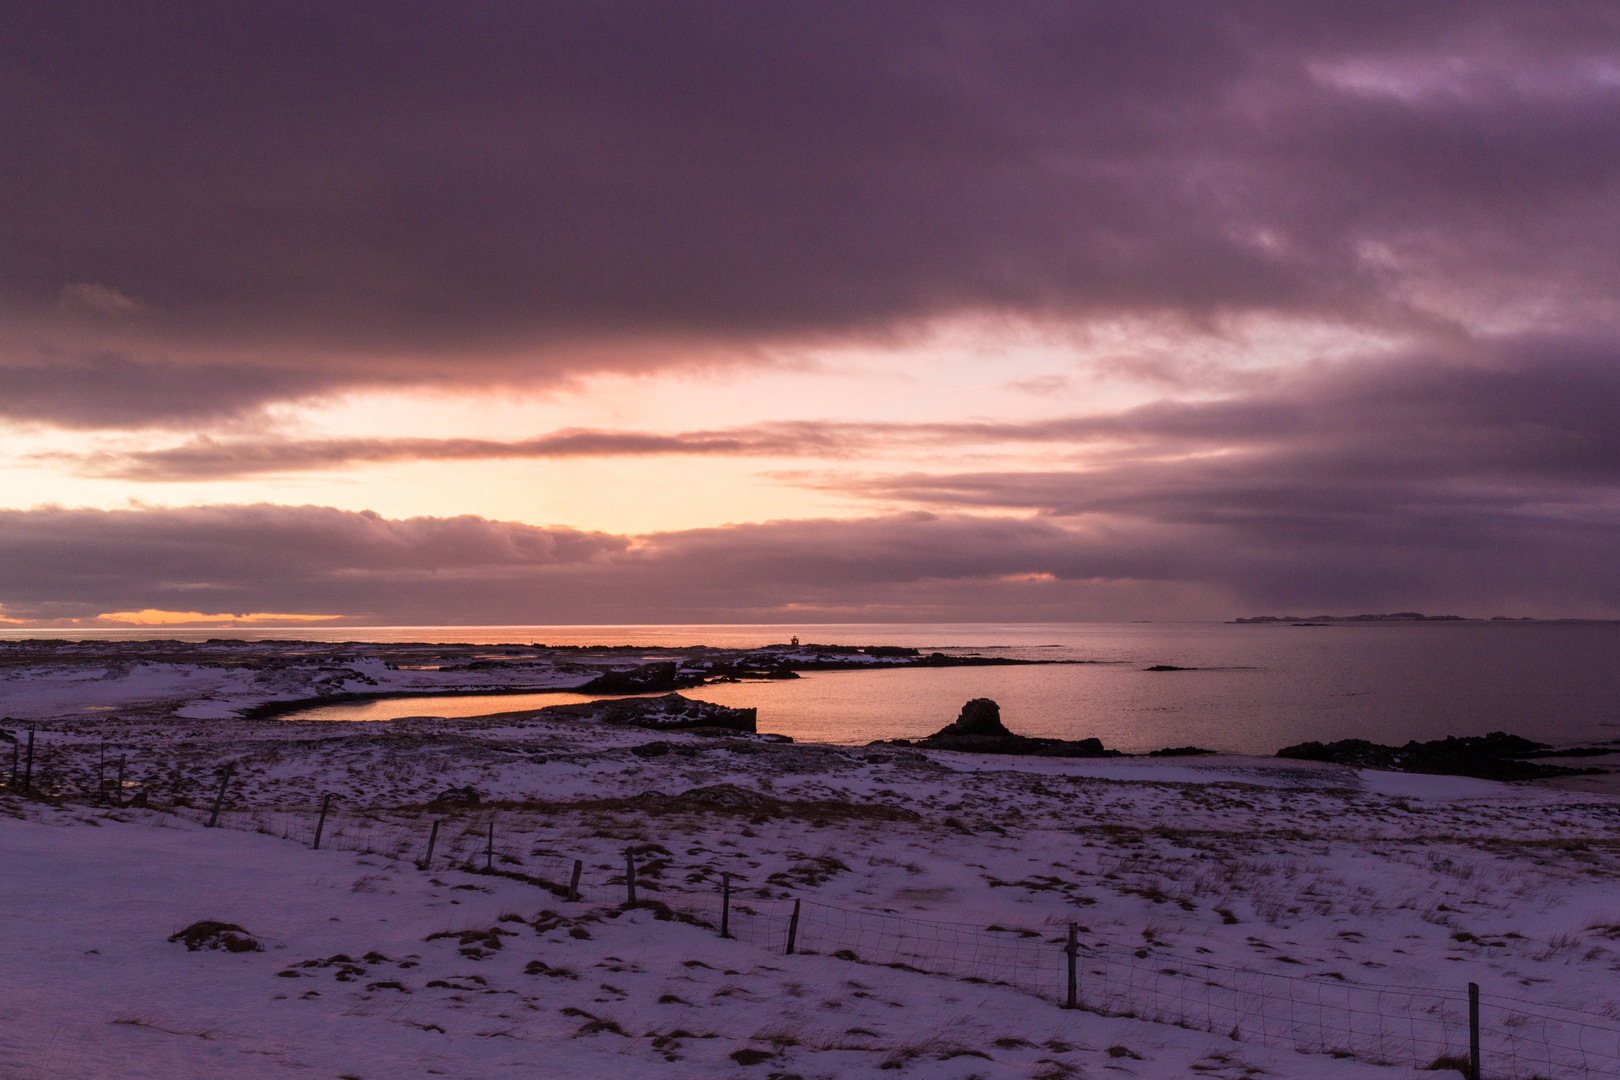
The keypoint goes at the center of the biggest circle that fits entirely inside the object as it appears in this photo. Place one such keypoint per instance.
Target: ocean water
(1257, 687)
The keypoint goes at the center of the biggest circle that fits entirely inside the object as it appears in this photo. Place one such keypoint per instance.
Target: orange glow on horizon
(154, 617)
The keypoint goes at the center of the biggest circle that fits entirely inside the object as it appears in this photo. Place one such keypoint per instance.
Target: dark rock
(650, 750)
(1497, 756)
(457, 796)
(981, 716)
(1179, 751)
(216, 935)
(638, 680)
(1168, 667)
(671, 712)
(979, 730)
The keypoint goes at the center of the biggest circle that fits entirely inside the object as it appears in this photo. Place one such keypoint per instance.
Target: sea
(1248, 688)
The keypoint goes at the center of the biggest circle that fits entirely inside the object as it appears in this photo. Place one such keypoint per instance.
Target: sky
(520, 313)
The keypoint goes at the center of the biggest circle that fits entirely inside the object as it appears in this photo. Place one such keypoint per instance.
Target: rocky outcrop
(640, 680)
(1497, 756)
(671, 712)
(979, 730)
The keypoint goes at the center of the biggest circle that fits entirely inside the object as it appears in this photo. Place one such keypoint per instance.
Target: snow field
(1279, 868)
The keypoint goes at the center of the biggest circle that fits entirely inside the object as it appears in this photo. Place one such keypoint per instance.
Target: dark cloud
(1475, 557)
(300, 195)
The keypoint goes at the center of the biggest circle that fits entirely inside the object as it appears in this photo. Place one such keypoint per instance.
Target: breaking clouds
(282, 199)
(215, 216)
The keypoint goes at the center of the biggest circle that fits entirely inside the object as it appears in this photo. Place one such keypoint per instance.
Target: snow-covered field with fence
(1233, 917)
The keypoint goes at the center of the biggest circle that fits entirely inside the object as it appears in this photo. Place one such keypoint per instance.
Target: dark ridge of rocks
(726, 799)
(672, 712)
(463, 797)
(661, 675)
(1180, 751)
(979, 730)
(1497, 756)
(1168, 667)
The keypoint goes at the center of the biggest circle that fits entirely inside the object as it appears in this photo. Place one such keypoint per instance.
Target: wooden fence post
(573, 885)
(793, 927)
(433, 838)
(725, 905)
(629, 876)
(489, 852)
(1473, 1031)
(28, 770)
(119, 801)
(320, 825)
(1074, 981)
(219, 800)
(101, 774)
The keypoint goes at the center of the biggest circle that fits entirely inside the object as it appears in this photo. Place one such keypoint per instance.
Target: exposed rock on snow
(209, 934)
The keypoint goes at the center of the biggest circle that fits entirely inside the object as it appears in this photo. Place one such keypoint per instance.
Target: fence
(1384, 1025)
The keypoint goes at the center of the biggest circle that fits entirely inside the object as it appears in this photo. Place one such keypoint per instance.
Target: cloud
(153, 617)
(316, 198)
(1177, 558)
(97, 300)
(205, 458)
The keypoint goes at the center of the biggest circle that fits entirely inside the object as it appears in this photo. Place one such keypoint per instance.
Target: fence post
(489, 852)
(793, 927)
(629, 876)
(573, 885)
(725, 905)
(1074, 982)
(101, 774)
(28, 770)
(219, 800)
(433, 838)
(119, 801)
(320, 825)
(1473, 1031)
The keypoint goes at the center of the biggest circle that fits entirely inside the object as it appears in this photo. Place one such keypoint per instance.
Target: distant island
(1397, 616)
(1394, 616)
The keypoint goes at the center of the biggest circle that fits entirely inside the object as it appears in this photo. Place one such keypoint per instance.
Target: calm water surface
(1258, 687)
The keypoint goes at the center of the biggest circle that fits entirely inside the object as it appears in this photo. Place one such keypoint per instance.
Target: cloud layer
(280, 199)
(214, 217)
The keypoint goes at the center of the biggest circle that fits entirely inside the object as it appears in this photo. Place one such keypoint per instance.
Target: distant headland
(1394, 616)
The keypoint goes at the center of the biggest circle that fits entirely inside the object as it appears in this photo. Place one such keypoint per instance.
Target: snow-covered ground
(223, 679)
(371, 967)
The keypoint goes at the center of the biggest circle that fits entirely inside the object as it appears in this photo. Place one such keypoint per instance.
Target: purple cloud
(509, 191)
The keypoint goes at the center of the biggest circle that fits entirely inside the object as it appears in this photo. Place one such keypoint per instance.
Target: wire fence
(1330, 1014)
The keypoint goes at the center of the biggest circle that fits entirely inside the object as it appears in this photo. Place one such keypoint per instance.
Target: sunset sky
(407, 313)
